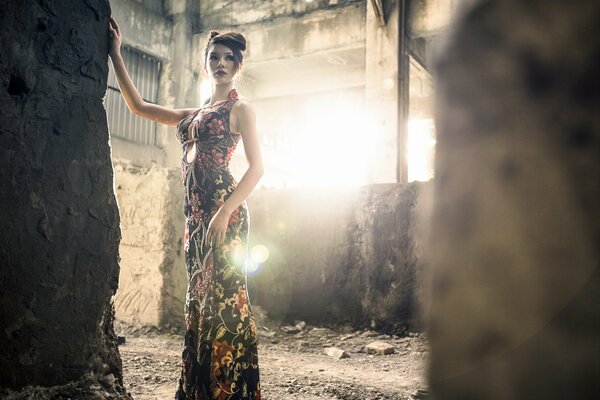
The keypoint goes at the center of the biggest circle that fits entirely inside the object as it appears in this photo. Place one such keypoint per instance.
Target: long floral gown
(220, 360)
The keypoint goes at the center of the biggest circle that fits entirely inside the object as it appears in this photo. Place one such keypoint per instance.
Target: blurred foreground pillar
(515, 289)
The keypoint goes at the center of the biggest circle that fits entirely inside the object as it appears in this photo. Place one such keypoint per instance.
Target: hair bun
(212, 35)
(239, 39)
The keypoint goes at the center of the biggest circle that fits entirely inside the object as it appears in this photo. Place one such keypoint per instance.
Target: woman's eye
(230, 58)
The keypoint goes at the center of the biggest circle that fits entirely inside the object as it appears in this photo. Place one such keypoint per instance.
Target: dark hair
(233, 40)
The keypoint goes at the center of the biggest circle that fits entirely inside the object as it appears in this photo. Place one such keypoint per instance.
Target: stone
(335, 352)
(290, 329)
(380, 348)
(321, 332)
(107, 380)
(367, 334)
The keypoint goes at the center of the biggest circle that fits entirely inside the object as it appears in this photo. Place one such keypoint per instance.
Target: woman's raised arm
(134, 100)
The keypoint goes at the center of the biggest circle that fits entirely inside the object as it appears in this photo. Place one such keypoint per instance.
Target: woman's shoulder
(242, 107)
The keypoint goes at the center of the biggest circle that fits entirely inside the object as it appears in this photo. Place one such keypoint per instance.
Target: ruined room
(427, 225)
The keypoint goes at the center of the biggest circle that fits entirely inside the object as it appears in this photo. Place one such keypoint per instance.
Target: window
(145, 72)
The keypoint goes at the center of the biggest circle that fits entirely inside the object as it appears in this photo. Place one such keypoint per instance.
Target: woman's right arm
(134, 100)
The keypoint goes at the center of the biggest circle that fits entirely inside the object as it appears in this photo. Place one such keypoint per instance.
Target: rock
(267, 334)
(321, 332)
(107, 380)
(301, 325)
(419, 394)
(380, 348)
(369, 334)
(346, 337)
(291, 329)
(335, 352)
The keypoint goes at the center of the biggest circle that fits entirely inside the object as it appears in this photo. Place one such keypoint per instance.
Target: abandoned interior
(427, 227)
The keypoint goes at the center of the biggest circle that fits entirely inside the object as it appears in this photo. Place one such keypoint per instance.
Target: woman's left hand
(217, 227)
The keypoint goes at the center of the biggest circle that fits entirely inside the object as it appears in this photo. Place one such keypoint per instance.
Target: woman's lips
(220, 73)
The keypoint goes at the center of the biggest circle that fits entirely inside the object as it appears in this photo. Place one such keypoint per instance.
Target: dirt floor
(293, 364)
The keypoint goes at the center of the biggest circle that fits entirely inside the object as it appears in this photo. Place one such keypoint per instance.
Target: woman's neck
(221, 92)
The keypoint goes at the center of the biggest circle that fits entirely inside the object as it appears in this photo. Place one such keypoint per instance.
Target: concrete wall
(340, 256)
(152, 282)
(60, 223)
(515, 245)
(135, 20)
(217, 13)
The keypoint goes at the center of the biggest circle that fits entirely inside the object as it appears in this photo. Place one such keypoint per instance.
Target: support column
(381, 90)
(183, 69)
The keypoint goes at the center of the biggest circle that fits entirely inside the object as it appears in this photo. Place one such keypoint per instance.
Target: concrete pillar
(60, 223)
(183, 70)
(381, 92)
(515, 246)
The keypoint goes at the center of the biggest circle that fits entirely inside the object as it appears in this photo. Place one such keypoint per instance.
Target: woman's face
(220, 64)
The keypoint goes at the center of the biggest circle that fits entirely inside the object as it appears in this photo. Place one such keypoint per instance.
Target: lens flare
(259, 254)
(238, 254)
(252, 267)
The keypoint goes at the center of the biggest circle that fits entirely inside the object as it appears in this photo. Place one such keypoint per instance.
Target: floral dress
(220, 360)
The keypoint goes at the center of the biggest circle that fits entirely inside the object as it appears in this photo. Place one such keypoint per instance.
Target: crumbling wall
(339, 255)
(221, 13)
(152, 282)
(60, 223)
(515, 286)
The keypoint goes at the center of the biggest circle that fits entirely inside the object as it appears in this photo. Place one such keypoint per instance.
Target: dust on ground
(293, 364)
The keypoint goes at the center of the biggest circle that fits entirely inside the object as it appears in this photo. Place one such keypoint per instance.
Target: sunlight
(329, 146)
(421, 149)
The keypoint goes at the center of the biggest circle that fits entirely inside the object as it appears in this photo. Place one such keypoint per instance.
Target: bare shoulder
(243, 108)
(242, 116)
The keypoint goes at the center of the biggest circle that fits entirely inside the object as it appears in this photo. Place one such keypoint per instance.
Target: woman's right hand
(114, 32)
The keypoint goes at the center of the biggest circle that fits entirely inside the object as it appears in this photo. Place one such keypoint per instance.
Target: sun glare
(331, 146)
(421, 149)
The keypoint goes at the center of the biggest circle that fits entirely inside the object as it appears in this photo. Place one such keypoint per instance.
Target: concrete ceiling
(319, 71)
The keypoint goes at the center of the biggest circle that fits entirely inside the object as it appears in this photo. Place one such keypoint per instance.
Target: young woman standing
(220, 360)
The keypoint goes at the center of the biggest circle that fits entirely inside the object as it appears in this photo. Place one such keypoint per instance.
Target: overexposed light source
(388, 84)
(331, 145)
(421, 149)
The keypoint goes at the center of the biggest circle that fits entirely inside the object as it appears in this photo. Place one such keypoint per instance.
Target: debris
(291, 329)
(321, 332)
(335, 352)
(107, 380)
(369, 334)
(380, 348)
(419, 394)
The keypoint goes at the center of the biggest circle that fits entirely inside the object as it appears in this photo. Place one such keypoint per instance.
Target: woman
(219, 358)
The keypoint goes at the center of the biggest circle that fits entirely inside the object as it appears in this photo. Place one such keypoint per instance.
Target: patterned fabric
(220, 360)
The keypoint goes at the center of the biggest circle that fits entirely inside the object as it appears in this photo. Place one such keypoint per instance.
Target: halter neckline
(232, 95)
